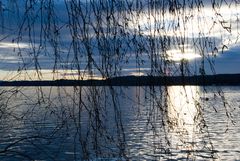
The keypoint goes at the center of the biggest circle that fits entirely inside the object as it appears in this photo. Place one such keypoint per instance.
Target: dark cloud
(48, 29)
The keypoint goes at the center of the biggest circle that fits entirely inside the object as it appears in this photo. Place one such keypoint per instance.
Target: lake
(120, 123)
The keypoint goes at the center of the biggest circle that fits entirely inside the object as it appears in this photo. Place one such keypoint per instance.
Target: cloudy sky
(108, 38)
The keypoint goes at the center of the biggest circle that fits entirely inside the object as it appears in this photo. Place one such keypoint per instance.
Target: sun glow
(219, 26)
(178, 55)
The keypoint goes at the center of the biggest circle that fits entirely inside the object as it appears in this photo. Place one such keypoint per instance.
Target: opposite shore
(220, 79)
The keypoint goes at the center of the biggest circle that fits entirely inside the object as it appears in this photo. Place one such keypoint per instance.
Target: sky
(39, 38)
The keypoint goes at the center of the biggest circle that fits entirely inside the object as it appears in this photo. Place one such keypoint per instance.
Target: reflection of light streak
(182, 114)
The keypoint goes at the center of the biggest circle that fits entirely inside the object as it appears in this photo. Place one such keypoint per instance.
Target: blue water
(120, 123)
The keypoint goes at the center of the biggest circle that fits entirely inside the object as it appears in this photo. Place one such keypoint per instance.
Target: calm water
(120, 123)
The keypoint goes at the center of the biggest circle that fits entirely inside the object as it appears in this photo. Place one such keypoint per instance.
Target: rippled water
(120, 123)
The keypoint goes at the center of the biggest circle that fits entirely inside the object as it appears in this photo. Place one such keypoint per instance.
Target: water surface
(120, 123)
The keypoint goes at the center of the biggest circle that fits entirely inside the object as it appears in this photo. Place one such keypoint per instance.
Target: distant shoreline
(205, 80)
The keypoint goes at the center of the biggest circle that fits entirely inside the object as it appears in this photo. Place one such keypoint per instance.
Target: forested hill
(221, 79)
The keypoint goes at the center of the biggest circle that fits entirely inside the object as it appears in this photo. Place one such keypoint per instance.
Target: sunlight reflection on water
(134, 123)
(183, 115)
